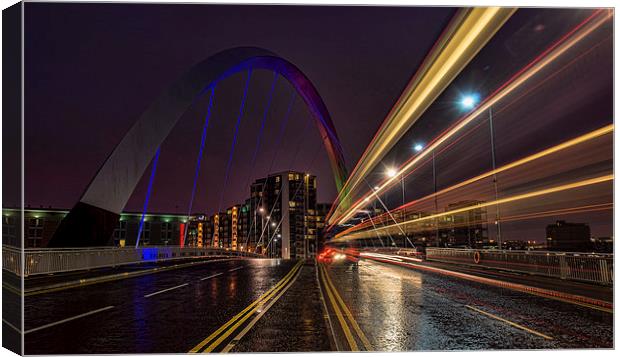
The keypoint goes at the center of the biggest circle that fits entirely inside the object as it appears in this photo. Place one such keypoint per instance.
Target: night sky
(92, 69)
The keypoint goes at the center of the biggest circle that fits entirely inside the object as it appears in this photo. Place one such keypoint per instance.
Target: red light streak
(534, 66)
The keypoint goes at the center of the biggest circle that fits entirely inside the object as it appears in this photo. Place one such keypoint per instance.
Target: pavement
(402, 309)
(254, 305)
(177, 311)
(295, 324)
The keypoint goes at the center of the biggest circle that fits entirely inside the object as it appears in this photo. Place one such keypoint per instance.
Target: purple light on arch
(93, 219)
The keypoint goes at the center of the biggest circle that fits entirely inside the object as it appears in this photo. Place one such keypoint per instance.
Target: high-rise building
(282, 212)
(280, 218)
(199, 231)
(322, 209)
(568, 237)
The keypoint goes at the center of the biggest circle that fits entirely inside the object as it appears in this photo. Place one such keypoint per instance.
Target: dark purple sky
(92, 69)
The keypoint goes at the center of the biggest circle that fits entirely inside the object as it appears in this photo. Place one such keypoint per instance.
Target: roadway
(400, 309)
(175, 311)
(273, 305)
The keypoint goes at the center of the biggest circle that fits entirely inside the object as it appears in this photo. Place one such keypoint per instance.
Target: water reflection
(390, 295)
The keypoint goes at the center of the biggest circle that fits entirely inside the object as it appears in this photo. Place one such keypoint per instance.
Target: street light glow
(418, 147)
(469, 101)
(391, 172)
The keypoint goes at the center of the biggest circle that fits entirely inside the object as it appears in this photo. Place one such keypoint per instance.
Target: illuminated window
(167, 229)
(120, 232)
(8, 229)
(35, 232)
(146, 233)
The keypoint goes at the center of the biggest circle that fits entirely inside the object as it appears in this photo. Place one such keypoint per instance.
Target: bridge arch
(92, 220)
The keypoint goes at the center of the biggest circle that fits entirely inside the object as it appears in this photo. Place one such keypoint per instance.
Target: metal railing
(587, 267)
(57, 260)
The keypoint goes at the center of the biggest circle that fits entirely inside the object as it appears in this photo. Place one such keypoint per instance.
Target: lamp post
(392, 172)
(468, 102)
(273, 225)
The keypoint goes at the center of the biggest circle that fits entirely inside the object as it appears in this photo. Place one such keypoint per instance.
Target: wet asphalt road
(128, 320)
(294, 324)
(402, 309)
(397, 309)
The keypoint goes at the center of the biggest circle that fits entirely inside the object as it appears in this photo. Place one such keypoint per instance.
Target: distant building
(199, 231)
(322, 209)
(568, 237)
(281, 214)
(40, 225)
(514, 245)
(466, 229)
(536, 245)
(284, 208)
(603, 244)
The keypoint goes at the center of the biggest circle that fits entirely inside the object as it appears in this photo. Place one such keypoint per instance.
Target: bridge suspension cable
(234, 141)
(203, 139)
(148, 196)
(281, 131)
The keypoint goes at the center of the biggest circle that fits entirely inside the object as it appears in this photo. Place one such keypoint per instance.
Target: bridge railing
(57, 260)
(587, 267)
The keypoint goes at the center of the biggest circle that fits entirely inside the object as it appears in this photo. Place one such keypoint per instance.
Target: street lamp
(418, 147)
(469, 101)
(392, 172)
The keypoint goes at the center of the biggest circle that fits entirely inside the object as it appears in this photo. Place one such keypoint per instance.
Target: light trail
(547, 57)
(572, 210)
(560, 188)
(464, 38)
(541, 214)
(541, 154)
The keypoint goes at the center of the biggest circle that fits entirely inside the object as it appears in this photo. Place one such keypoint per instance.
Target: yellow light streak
(541, 154)
(523, 196)
(484, 107)
(470, 33)
(514, 324)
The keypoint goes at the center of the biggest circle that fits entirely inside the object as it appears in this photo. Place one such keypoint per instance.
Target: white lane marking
(69, 319)
(211, 276)
(11, 326)
(163, 291)
(235, 269)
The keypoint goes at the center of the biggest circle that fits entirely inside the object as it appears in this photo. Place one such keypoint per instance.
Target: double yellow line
(222, 334)
(339, 308)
